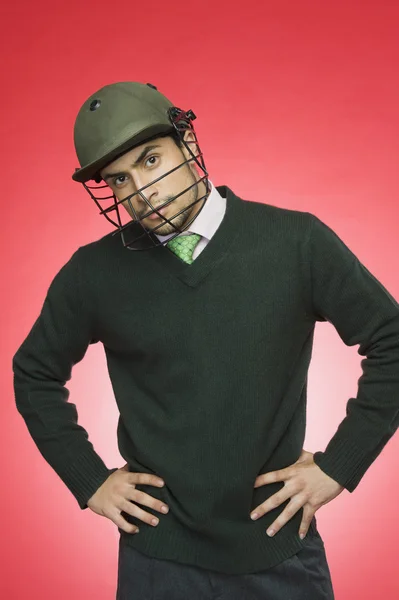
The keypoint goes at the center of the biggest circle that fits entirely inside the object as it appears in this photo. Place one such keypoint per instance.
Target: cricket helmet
(112, 121)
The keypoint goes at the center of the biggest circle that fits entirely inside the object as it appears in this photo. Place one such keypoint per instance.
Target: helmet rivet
(95, 104)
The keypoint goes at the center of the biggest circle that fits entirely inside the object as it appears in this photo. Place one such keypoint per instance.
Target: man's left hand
(307, 486)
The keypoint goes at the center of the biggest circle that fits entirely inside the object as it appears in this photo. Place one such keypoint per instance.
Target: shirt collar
(208, 219)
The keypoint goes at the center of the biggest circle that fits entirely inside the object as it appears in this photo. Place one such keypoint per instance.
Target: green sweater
(209, 365)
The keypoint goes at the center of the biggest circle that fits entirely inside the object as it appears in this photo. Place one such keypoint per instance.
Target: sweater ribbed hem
(243, 548)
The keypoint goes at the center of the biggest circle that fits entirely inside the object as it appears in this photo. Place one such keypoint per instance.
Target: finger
(290, 510)
(307, 517)
(145, 479)
(272, 502)
(273, 477)
(135, 511)
(146, 500)
(123, 524)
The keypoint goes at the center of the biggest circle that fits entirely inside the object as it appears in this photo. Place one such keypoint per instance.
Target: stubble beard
(180, 220)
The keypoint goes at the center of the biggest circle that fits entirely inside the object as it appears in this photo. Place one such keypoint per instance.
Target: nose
(149, 193)
(138, 181)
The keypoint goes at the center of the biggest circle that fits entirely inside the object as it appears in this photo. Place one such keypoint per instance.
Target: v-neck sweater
(209, 367)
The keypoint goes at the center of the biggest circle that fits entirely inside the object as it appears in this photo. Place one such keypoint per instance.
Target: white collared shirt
(206, 222)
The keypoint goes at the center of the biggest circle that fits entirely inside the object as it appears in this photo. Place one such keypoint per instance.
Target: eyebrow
(138, 160)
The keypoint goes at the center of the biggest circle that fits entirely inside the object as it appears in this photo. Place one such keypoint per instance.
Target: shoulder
(105, 245)
(290, 221)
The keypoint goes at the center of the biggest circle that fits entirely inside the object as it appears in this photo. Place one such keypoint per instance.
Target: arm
(42, 365)
(363, 312)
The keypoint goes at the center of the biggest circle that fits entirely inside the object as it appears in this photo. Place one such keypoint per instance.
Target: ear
(189, 138)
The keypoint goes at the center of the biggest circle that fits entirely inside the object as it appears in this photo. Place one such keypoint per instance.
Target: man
(206, 306)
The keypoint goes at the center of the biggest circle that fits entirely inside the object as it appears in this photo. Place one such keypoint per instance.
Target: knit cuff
(85, 475)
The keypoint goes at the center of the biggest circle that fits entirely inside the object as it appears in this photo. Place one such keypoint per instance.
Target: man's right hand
(117, 493)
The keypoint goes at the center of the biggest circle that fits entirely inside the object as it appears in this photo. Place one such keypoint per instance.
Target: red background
(297, 106)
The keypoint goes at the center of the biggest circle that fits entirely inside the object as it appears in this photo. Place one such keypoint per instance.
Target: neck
(201, 194)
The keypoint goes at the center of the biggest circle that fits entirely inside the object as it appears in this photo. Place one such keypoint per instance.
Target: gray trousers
(304, 576)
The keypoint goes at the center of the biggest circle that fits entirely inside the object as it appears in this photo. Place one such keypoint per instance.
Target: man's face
(145, 163)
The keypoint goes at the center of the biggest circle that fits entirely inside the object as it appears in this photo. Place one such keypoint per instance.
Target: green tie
(183, 246)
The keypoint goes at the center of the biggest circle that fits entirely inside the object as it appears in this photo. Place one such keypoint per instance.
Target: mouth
(154, 215)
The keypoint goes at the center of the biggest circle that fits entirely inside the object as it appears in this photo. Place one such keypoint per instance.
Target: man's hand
(307, 486)
(117, 493)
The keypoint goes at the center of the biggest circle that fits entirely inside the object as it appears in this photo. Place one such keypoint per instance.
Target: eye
(119, 180)
(149, 158)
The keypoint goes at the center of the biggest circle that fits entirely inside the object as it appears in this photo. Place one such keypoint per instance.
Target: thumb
(305, 456)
